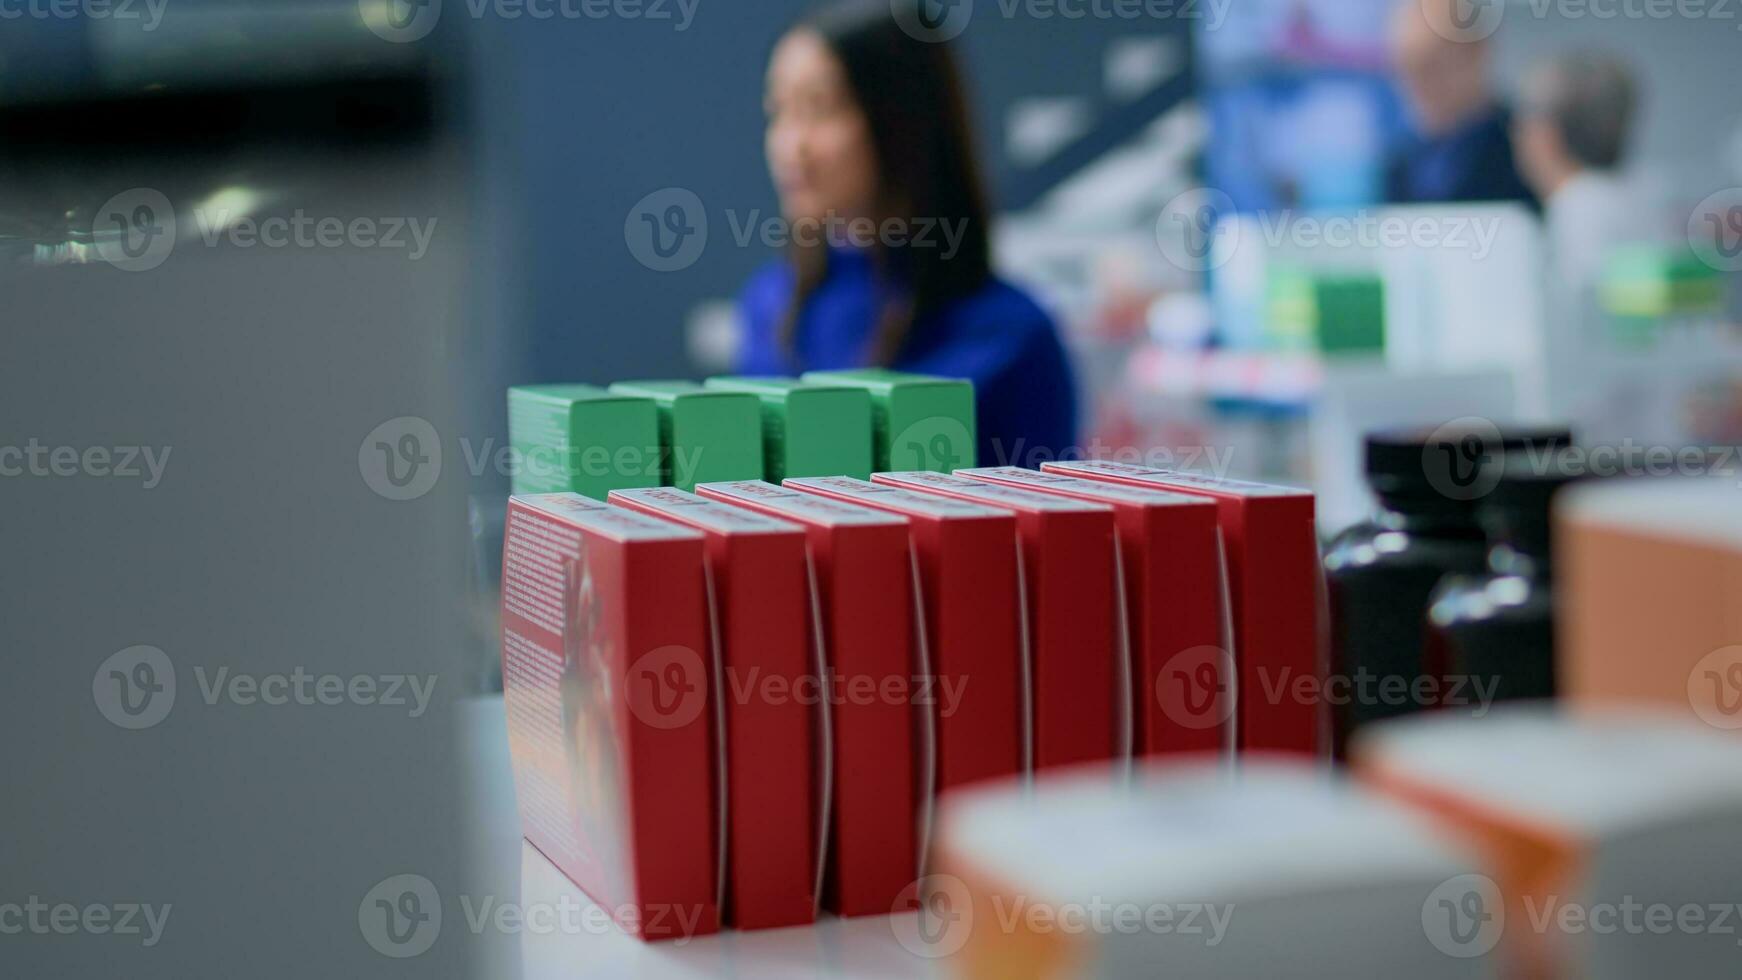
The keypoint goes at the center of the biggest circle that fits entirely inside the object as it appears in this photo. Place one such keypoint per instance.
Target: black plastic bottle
(1492, 633)
(1381, 573)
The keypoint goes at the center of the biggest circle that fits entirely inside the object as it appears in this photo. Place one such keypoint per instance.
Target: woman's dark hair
(913, 100)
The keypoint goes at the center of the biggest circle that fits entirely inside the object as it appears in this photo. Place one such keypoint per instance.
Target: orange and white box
(1648, 580)
(1283, 872)
(1609, 838)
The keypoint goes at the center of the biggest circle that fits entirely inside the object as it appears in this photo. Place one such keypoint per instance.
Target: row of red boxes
(736, 707)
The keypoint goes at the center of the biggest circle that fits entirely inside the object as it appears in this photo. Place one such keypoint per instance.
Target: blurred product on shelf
(1275, 587)
(582, 439)
(921, 422)
(973, 618)
(1336, 314)
(1649, 595)
(1181, 321)
(1175, 598)
(809, 429)
(1608, 838)
(1380, 573)
(704, 436)
(606, 668)
(1494, 631)
(1189, 872)
(1459, 286)
(1645, 288)
(881, 753)
(761, 603)
(1080, 670)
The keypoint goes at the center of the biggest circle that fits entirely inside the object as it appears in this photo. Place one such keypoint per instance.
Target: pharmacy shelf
(852, 949)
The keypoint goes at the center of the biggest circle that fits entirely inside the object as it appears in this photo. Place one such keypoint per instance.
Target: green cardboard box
(1334, 313)
(809, 429)
(582, 439)
(920, 422)
(704, 436)
(1646, 286)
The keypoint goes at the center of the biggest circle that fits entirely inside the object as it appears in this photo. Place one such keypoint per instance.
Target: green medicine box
(809, 429)
(1334, 313)
(1645, 287)
(920, 422)
(704, 436)
(582, 439)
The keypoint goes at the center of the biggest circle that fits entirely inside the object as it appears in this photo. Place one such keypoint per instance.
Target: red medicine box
(606, 674)
(760, 590)
(973, 622)
(1080, 671)
(1183, 700)
(1276, 584)
(881, 758)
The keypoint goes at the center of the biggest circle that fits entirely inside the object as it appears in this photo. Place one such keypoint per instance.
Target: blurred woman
(870, 149)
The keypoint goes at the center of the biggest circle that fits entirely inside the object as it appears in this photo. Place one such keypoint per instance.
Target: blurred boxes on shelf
(1608, 838)
(1650, 600)
(1645, 286)
(921, 422)
(809, 429)
(1333, 313)
(1189, 872)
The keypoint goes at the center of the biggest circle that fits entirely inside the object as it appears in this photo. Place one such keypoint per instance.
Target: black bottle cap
(1449, 466)
(1518, 510)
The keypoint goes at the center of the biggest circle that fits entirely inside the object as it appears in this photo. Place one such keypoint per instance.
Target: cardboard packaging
(1648, 580)
(921, 422)
(809, 429)
(1282, 872)
(1080, 670)
(1175, 600)
(973, 622)
(607, 669)
(574, 437)
(703, 435)
(881, 754)
(1276, 583)
(762, 609)
(1608, 837)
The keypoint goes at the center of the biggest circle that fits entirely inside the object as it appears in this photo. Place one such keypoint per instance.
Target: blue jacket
(998, 338)
(1473, 163)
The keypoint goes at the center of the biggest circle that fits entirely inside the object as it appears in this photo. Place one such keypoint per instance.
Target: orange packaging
(1649, 596)
(1608, 838)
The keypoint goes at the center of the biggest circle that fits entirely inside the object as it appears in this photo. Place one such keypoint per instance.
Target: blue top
(1472, 163)
(998, 338)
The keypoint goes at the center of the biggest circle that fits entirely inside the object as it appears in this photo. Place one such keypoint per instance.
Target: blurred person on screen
(1461, 150)
(871, 150)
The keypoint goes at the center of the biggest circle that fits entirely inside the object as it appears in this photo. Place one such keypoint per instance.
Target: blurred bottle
(1381, 573)
(1494, 631)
